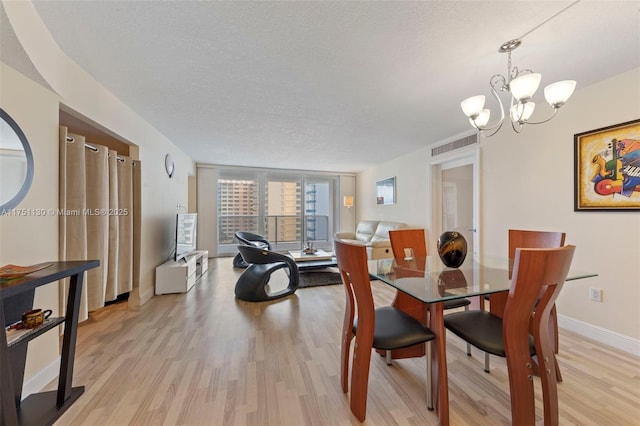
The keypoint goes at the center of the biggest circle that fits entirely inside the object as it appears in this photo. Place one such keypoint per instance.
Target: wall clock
(168, 165)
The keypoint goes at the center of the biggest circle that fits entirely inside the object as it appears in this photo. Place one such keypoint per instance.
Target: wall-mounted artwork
(607, 168)
(386, 191)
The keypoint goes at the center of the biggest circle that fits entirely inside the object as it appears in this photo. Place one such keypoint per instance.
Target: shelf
(16, 337)
(45, 407)
(42, 408)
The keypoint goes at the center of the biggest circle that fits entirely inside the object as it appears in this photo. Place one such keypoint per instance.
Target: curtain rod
(93, 148)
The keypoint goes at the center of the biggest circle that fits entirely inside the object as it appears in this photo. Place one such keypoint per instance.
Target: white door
(456, 199)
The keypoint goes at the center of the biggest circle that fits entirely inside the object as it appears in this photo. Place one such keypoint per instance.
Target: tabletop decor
(607, 168)
(16, 271)
(452, 248)
(308, 248)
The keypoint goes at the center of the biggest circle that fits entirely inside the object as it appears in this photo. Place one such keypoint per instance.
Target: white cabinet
(180, 276)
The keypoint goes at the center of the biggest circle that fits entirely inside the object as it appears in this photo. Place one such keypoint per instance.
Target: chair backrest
(408, 238)
(258, 256)
(249, 239)
(533, 239)
(352, 263)
(538, 277)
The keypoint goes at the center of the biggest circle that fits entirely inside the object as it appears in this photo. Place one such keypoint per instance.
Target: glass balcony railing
(278, 228)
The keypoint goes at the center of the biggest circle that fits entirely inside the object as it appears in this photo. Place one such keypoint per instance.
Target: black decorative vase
(452, 248)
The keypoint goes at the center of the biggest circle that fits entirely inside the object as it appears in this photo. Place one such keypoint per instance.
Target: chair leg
(557, 367)
(344, 361)
(486, 362)
(429, 393)
(360, 376)
(387, 356)
(466, 308)
(553, 332)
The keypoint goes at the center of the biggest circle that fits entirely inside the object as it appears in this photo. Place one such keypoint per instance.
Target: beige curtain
(97, 216)
(125, 222)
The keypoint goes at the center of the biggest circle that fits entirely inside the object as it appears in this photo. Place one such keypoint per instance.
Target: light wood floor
(205, 358)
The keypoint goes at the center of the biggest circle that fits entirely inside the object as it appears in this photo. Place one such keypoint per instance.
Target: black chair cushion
(482, 329)
(457, 303)
(395, 329)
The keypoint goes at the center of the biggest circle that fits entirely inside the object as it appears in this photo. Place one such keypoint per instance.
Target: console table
(16, 296)
(180, 276)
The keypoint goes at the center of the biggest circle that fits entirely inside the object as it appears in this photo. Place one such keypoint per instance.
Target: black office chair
(252, 284)
(249, 239)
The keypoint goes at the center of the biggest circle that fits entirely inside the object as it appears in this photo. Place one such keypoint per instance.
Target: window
(238, 207)
(289, 209)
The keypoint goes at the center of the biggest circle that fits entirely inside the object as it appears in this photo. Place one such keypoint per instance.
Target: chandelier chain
(548, 19)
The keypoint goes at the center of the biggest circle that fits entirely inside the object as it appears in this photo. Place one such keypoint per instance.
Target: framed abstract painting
(607, 168)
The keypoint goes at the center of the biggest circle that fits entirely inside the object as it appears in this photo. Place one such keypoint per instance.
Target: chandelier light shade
(558, 93)
(522, 86)
(348, 201)
(473, 106)
(522, 112)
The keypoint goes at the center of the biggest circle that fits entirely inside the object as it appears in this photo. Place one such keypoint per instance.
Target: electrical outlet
(595, 294)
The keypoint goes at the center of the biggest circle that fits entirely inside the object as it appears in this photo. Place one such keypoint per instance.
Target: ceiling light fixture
(521, 85)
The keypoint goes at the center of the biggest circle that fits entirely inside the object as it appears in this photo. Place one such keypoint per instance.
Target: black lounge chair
(252, 284)
(249, 239)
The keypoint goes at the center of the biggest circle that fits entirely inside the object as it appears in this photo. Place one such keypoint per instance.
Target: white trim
(469, 155)
(41, 379)
(607, 337)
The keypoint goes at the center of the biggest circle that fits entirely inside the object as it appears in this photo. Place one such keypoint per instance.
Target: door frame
(469, 155)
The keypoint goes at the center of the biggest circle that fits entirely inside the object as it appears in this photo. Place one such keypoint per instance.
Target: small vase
(452, 248)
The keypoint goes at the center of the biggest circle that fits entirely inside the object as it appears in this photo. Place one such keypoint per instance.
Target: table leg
(439, 379)
(65, 379)
(8, 413)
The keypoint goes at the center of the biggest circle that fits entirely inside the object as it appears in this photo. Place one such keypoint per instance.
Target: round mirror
(16, 163)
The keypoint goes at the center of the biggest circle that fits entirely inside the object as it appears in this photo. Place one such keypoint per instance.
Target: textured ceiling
(327, 85)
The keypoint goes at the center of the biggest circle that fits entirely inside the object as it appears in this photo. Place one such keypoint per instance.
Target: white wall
(527, 183)
(347, 186)
(81, 93)
(29, 240)
(412, 196)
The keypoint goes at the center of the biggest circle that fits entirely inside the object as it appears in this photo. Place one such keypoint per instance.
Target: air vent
(452, 146)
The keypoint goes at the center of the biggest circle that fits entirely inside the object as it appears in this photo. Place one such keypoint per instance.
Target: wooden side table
(45, 407)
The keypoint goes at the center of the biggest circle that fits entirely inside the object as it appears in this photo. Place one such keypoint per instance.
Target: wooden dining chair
(415, 240)
(519, 238)
(523, 330)
(384, 328)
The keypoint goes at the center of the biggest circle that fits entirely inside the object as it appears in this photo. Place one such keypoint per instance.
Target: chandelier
(521, 85)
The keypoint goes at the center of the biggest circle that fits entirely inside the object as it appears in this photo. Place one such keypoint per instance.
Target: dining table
(430, 283)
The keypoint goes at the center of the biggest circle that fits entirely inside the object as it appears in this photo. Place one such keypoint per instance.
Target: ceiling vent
(453, 145)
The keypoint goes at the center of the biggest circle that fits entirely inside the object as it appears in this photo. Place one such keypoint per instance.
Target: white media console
(180, 276)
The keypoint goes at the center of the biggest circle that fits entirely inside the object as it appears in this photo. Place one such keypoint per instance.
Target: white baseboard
(146, 296)
(607, 337)
(41, 379)
(137, 299)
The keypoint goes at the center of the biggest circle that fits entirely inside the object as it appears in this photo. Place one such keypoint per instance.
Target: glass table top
(427, 279)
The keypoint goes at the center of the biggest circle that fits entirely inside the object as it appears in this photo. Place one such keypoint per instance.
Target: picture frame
(386, 191)
(607, 168)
